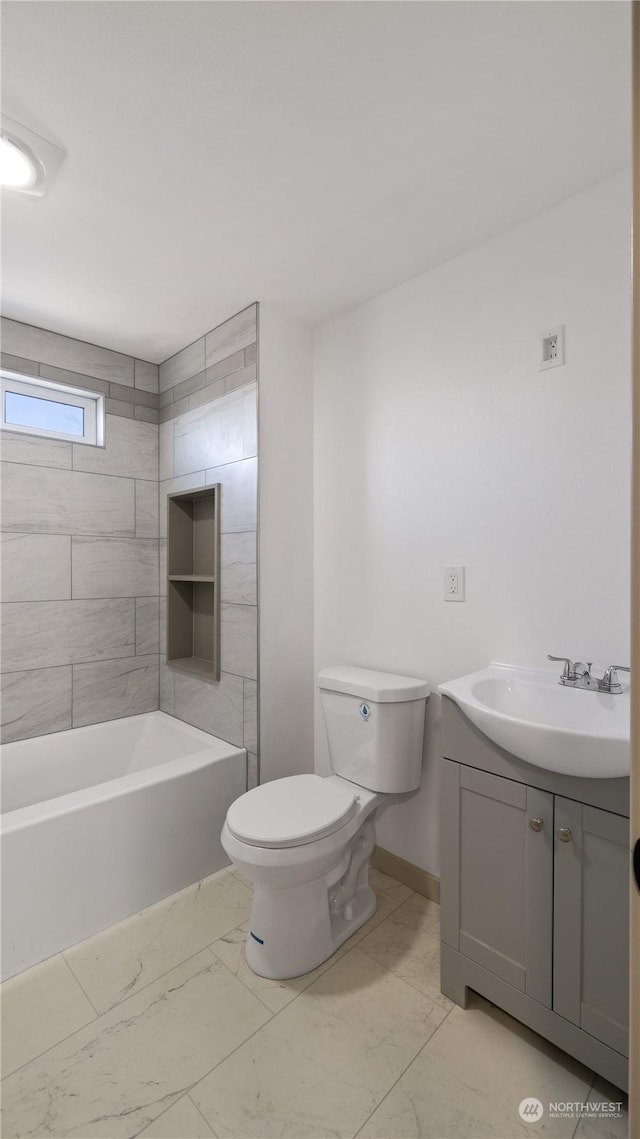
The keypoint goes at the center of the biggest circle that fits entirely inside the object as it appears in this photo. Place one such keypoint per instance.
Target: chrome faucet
(575, 674)
(610, 681)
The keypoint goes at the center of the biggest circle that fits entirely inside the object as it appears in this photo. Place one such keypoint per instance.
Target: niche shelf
(193, 581)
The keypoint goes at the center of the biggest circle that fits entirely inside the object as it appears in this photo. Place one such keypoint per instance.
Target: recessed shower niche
(193, 581)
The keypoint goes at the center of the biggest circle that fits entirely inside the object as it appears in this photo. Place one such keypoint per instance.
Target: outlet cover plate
(453, 583)
(551, 348)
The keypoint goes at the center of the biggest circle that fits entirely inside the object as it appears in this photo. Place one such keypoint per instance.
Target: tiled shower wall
(80, 587)
(208, 434)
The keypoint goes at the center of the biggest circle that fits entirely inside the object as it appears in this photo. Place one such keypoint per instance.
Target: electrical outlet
(454, 583)
(551, 348)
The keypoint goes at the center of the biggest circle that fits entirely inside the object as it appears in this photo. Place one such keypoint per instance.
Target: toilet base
(292, 930)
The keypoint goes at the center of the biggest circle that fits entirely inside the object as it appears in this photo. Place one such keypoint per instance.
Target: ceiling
(307, 153)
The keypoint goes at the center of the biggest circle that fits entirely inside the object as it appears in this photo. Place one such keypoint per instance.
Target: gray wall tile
(118, 407)
(175, 486)
(40, 499)
(146, 376)
(238, 640)
(214, 707)
(40, 626)
(238, 568)
(252, 771)
(209, 436)
(35, 567)
(147, 414)
(166, 451)
(251, 354)
(114, 688)
(35, 702)
(133, 395)
(188, 362)
(131, 450)
(147, 625)
(250, 421)
(20, 364)
(75, 379)
(114, 567)
(48, 633)
(226, 367)
(186, 387)
(251, 716)
(236, 333)
(239, 494)
(167, 691)
(240, 378)
(17, 448)
(207, 395)
(63, 352)
(146, 509)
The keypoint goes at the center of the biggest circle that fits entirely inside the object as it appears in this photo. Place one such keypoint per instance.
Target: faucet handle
(568, 670)
(610, 681)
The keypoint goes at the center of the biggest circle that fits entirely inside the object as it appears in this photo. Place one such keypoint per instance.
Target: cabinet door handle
(564, 834)
(536, 824)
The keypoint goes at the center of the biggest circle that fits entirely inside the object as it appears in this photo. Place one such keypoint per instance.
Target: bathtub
(99, 822)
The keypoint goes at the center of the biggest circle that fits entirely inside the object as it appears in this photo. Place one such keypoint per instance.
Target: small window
(37, 406)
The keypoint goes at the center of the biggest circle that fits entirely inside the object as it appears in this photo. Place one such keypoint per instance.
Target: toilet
(305, 841)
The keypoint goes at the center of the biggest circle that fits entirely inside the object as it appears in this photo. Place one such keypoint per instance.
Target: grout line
(45, 1051)
(403, 1073)
(580, 1117)
(196, 1108)
(79, 983)
(99, 474)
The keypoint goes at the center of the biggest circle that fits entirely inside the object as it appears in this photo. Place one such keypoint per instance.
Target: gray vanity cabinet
(591, 921)
(534, 895)
(500, 908)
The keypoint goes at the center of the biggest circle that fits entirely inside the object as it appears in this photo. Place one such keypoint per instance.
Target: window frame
(39, 387)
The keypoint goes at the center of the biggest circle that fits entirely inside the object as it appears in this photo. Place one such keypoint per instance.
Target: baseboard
(412, 876)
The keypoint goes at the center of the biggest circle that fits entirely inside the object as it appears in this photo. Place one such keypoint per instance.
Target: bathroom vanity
(535, 894)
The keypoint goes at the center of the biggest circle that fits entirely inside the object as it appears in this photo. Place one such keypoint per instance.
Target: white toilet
(305, 842)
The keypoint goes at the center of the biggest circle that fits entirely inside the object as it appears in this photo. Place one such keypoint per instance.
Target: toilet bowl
(305, 841)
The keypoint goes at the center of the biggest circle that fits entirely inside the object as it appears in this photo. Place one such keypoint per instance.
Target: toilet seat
(288, 812)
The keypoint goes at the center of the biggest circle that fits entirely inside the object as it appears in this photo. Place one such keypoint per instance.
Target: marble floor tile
(470, 1078)
(180, 1121)
(593, 1124)
(276, 994)
(321, 1065)
(119, 961)
(407, 943)
(383, 883)
(40, 1007)
(116, 1075)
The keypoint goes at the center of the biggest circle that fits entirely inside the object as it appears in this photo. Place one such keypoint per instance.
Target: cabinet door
(591, 921)
(498, 904)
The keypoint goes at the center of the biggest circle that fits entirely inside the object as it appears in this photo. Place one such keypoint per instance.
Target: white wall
(285, 544)
(437, 441)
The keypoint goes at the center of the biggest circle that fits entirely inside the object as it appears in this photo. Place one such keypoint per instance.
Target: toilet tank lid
(379, 687)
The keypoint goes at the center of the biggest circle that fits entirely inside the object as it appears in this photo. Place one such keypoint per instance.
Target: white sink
(533, 716)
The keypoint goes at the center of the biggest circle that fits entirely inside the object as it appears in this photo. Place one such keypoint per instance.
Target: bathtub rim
(61, 805)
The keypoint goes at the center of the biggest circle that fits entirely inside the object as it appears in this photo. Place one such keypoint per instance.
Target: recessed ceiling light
(28, 162)
(18, 169)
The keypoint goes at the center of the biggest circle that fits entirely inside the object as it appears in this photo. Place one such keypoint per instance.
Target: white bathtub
(99, 822)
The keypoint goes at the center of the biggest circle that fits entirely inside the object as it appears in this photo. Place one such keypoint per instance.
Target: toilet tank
(375, 727)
